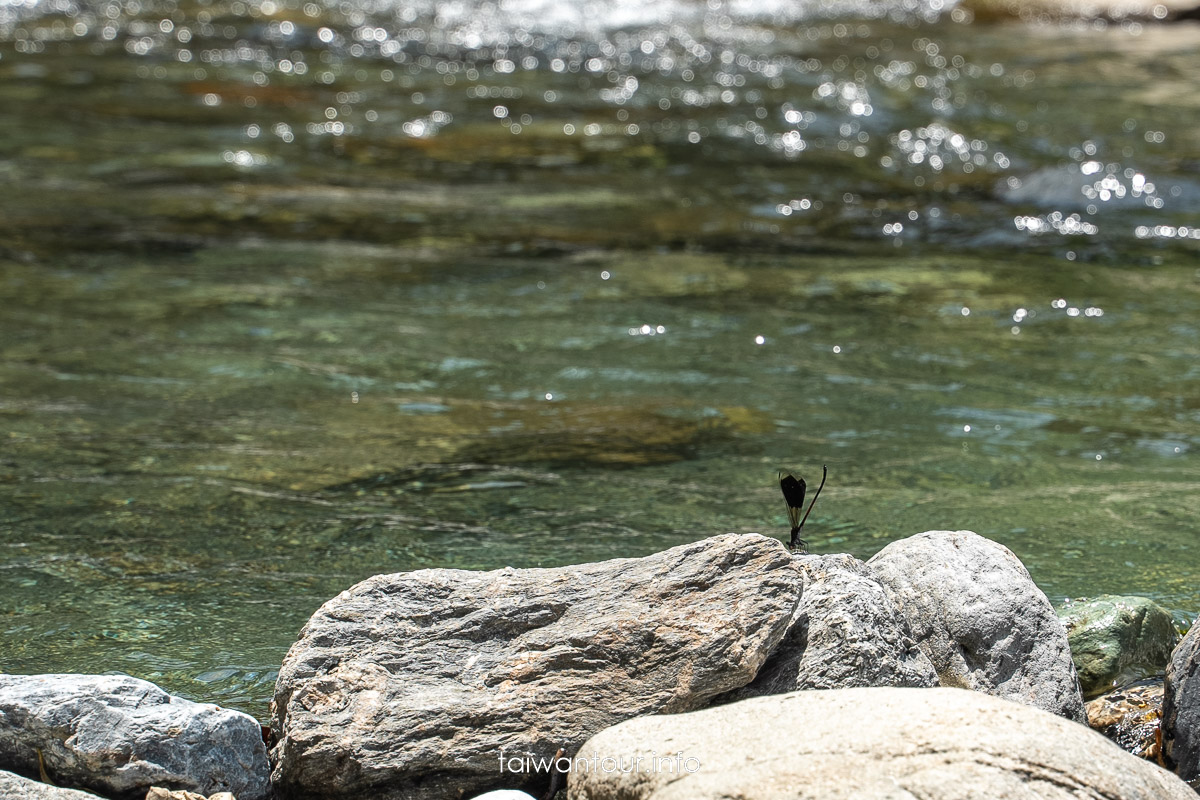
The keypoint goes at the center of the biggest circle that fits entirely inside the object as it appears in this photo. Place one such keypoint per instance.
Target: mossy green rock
(1117, 639)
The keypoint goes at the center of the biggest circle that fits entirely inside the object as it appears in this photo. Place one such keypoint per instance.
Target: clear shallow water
(478, 287)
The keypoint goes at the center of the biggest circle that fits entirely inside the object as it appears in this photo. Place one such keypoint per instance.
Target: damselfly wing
(793, 489)
(793, 494)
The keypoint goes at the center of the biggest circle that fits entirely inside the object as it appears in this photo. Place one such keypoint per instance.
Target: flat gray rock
(984, 624)
(1181, 708)
(845, 633)
(14, 787)
(864, 744)
(413, 685)
(118, 736)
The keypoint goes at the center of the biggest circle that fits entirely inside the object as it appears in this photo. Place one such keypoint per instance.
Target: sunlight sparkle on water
(1057, 222)
(1166, 232)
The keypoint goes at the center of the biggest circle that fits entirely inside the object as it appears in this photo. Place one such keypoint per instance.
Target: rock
(14, 787)
(119, 736)
(159, 793)
(1115, 640)
(504, 794)
(1130, 717)
(845, 633)
(864, 744)
(977, 614)
(421, 684)
(1181, 708)
(1042, 11)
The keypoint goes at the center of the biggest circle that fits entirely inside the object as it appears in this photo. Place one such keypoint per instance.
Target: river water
(294, 293)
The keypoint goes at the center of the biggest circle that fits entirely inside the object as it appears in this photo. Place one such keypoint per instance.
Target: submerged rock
(15, 787)
(865, 744)
(422, 684)
(1130, 716)
(1115, 640)
(1181, 709)
(980, 618)
(845, 633)
(119, 736)
(607, 435)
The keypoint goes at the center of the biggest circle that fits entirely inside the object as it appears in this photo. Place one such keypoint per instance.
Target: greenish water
(476, 290)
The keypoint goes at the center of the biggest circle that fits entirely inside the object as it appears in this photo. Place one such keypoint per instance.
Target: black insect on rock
(793, 494)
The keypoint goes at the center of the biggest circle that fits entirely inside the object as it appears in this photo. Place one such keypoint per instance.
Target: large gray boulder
(980, 618)
(414, 685)
(1116, 639)
(1181, 708)
(864, 744)
(15, 787)
(118, 736)
(845, 633)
